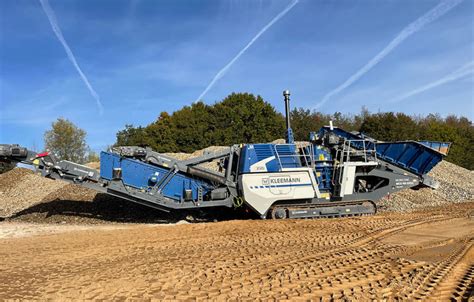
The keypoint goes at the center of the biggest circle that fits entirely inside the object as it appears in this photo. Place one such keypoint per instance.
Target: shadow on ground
(105, 208)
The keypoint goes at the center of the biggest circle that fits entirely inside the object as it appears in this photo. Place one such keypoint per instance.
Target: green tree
(66, 141)
(390, 126)
(302, 123)
(458, 131)
(92, 156)
(245, 118)
(192, 127)
(239, 118)
(162, 134)
(131, 136)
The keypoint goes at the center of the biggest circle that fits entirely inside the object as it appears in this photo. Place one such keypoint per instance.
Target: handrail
(348, 149)
(277, 156)
(344, 155)
(296, 156)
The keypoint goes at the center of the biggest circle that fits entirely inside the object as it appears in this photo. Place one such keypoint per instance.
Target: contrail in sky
(55, 26)
(439, 10)
(462, 72)
(221, 73)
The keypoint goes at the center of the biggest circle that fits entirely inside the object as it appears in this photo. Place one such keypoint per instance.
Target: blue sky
(143, 57)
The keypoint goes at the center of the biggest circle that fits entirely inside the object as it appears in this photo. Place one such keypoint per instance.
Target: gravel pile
(456, 185)
(213, 165)
(20, 189)
(25, 196)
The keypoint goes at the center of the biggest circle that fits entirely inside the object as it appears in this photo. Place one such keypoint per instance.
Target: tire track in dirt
(457, 284)
(295, 267)
(306, 259)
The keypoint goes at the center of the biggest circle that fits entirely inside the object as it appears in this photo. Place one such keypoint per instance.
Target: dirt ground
(426, 254)
(59, 241)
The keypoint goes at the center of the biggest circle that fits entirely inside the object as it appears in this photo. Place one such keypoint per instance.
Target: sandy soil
(426, 255)
(18, 230)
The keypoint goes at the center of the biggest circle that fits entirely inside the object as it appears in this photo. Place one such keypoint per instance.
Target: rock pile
(213, 165)
(25, 196)
(20, 189)
(456, 184)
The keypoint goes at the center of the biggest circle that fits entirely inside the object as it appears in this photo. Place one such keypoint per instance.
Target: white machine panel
(261, 190)
(348, 176)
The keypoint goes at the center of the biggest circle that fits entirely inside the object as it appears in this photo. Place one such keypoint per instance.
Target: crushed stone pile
(26, 196)
(212, 165)
(456, 185)
(299, 144)
(20, 189)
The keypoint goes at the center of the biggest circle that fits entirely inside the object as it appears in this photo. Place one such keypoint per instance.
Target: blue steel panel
(406, 155)
(137, 174)
(262, 151)
(441, 147)
(417, 157)
(253, 153)
(410, 155)
(289, 158)
(423, 159)
(107, 163)
(381, 149)
(339, 132)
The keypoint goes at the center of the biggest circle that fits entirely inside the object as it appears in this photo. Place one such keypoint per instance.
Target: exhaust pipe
(289, 133)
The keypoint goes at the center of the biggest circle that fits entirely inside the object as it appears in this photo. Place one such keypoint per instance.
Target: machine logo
(280, 180)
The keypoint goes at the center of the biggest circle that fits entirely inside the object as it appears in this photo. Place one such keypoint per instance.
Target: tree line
(246, 118)
(239, 118)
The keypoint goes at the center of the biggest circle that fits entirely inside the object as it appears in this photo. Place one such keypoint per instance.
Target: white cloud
(439, 10)
(57, 31)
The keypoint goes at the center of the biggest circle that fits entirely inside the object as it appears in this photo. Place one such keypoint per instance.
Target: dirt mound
(456, 184)
(299, 144)
(77, 205)
(9, 179)
(20, 189)
(25, 196)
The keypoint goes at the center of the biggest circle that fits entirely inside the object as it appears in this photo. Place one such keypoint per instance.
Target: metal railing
(298, 158)
(365, 150)
(362, 150)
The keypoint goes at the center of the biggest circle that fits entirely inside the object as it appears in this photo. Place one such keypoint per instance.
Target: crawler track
(323, 210)
(425, 255)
